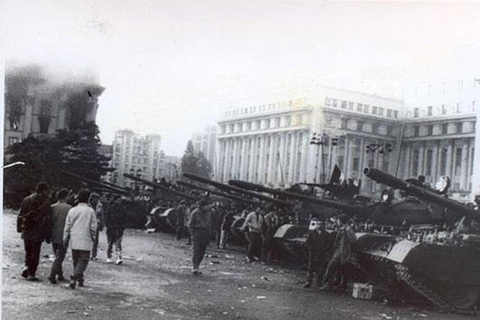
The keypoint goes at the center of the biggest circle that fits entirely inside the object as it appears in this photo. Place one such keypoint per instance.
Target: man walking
(115, 222)
(80, 229)
(180, 218)
(317, 241)
(199, 228)
(254, 222)
(34, 222)
(96, 204)
(59, 215)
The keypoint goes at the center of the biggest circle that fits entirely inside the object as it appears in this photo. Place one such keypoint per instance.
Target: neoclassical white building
(270, 143)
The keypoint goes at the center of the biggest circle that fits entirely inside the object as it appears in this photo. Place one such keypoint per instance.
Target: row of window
(253, 109)
(272, 123)
(359, 107)
(443, 109)
(443, 129)
(370, 127)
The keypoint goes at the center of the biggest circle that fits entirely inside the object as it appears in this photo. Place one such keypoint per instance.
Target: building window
(416, 131)
(458, 161)
(445, 128)
(374, 110)
(429, 110)
(328, 101)
(356, 164)
(375, 128)
(428, 169)
(395, 114)
(344, 105)
(12, 140)
(444, 109)
(366, 108)
(389, 113)
(344, 123)
(359, 107)
(430, 130)
(350, 106)
(334, 103)
(381, 111)
(415, 162)
(457, 108)
(443, 161)
(415, 112)
(459, 127)
(359, 125)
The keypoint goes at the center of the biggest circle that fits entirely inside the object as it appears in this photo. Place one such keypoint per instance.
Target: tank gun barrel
(421, 193)
(158, 186)
(229, 196)
(226, 187)
(328, 203)
(99, 185)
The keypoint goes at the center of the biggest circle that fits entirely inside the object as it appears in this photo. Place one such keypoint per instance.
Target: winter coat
(80, 227)
(59, 216)
(115, 218)
(34, 218)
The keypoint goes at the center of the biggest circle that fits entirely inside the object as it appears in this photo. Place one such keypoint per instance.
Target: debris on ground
(261, 297)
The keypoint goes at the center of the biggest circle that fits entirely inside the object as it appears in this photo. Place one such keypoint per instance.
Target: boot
(307, 284)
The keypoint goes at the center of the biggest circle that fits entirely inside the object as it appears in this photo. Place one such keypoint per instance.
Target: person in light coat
(80, 232)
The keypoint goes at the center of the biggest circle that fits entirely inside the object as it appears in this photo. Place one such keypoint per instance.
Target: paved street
(155, 283)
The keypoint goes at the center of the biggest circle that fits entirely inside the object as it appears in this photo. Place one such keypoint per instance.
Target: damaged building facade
(36, 104)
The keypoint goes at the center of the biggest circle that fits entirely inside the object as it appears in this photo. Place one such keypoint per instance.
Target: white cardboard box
(362, 291)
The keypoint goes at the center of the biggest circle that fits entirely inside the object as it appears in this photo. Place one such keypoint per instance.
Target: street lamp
(318, 140)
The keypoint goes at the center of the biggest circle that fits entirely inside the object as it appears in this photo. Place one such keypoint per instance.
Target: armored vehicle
(439, 261)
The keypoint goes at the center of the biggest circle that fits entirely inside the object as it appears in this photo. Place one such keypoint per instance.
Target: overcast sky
(169, 67)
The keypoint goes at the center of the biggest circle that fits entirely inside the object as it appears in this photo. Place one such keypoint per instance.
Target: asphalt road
(155, 282)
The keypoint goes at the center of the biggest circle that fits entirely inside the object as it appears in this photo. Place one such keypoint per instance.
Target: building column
(272, 159)
(435, 162)
(304, 156)
(293, 149)
(346, 156)
(234, 157)
(243, 163)
(421, 159)
(263, 160)
(281, 159)
(450, 160)
(464, 166)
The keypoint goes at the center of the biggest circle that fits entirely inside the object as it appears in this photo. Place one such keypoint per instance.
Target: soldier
(34, 222)
(199, 227)
(271, 224)
(59, 215)
(180, 218)
(96, 204)
(226, 226)
(342, 254)
(115, 223)
(316, 244)
(254, 222)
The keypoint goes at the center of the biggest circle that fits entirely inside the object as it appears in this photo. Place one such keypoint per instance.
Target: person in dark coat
(59, 215)
(226, 226)
(342, 254)
(34, 222)
(180, 217)
(114, 219)
(199, 226)
(317, 241)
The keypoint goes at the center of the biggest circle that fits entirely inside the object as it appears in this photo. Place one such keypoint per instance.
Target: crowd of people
(76, 220)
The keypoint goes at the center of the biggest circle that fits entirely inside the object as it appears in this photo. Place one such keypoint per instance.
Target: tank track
(439, 302)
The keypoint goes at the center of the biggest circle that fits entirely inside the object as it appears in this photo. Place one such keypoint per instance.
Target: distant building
(168, 168)
(205, 143)
(440, 134)
(294, 141)
(107, 151)
(36, 105)
(135, 154)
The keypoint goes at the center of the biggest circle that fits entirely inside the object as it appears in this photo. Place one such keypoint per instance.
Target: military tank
(440, 262)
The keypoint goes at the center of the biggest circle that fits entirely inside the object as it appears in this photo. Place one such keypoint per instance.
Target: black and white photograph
(235, 159)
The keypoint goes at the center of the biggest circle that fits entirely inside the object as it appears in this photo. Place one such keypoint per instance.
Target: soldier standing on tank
(342, 254)
(316, 244)
(199, 226)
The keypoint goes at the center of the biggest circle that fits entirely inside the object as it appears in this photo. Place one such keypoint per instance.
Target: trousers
(200, 240)
(60, 251)
(255, 246)
(224, 236)
(80, 262)
(114, 237)
(316, 267)
(95, 244)
(32, 255)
